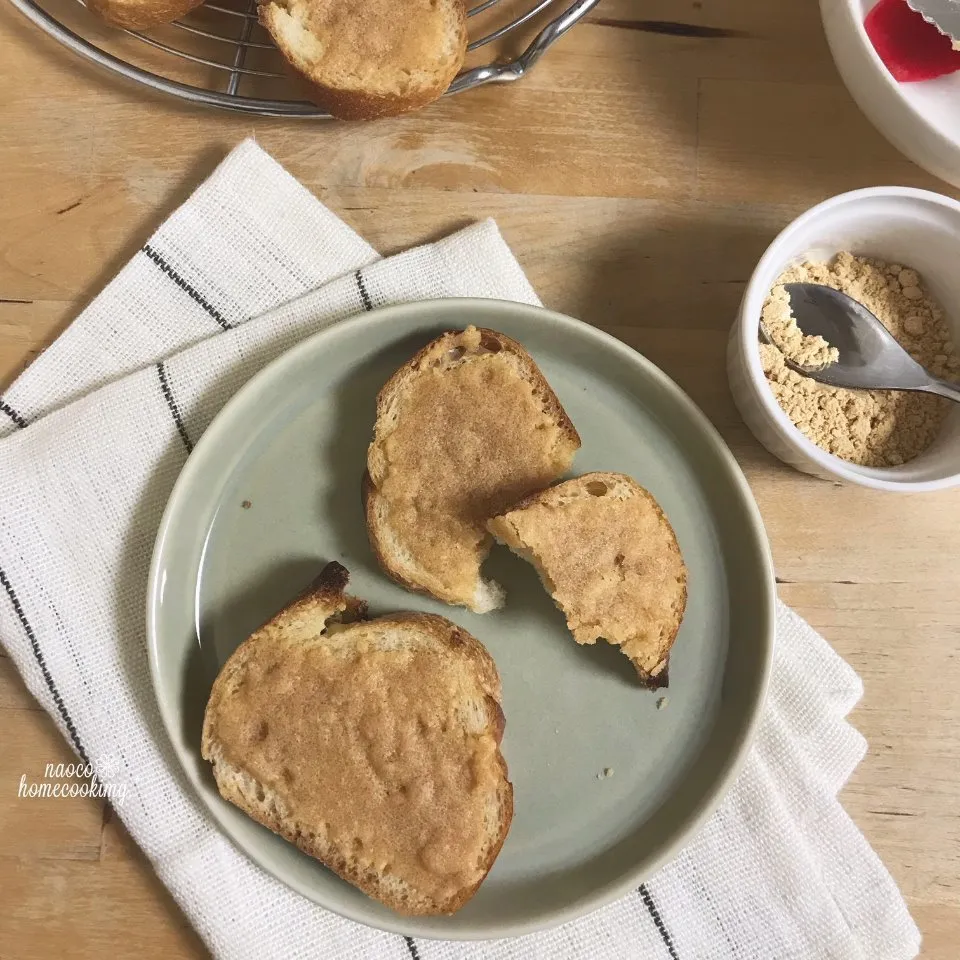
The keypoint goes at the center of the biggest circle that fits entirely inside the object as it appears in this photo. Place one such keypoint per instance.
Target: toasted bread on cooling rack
(370, 58)
(141, 14)
(371, 745)
(463, 430)
(609, 558)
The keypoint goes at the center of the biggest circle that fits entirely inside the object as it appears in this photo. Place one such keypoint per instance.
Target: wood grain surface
(638, 173)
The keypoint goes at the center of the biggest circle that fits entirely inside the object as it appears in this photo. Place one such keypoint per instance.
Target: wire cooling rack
(220, 55)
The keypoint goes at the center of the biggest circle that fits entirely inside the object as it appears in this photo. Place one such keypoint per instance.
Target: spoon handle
(943, 389)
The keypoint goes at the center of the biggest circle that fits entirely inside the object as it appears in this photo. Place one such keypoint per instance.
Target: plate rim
(733, 764)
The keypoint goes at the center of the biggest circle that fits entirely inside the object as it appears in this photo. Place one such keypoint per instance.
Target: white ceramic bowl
(913, 227)
(922, 120)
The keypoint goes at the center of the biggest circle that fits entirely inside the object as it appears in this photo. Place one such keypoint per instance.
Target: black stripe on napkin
(658, 921)
(362, 287)
(411, 943)
(42, 663)
(12, 414)
(172, 405)
(186, 287)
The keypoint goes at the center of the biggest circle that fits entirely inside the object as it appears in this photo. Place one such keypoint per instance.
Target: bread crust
(390, 395)
(325, 598)
(347, 104)
(143, 14)
(368, 495)
(357, 105)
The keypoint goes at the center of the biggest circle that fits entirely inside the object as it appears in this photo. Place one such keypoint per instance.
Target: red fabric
(910, 48)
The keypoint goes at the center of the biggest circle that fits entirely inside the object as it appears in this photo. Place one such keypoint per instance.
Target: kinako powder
(873, 428)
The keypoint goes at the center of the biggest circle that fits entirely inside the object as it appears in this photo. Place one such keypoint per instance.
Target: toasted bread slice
(363, 59)
(371, 745)
(463, 430)
(141, 14)
(610, 559)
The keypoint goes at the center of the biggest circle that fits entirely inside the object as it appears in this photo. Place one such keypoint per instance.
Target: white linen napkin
(94, 435)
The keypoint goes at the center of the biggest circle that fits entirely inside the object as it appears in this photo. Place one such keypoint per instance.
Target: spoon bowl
(870, 357)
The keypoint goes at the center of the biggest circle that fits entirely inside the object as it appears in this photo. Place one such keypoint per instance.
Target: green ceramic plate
(292, 446)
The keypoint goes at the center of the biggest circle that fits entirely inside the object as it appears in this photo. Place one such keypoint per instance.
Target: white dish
(922, 120)
(914, 227)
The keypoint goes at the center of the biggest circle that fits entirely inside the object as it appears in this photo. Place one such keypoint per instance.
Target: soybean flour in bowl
(872, 428)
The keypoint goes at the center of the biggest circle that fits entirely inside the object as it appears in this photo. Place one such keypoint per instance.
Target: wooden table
(638, 176)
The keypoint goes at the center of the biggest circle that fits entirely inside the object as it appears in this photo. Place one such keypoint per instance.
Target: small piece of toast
(363, 59)
(609, 558)
(141, 14)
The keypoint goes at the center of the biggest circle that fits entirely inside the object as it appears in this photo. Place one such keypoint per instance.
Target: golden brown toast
(363, 59)
(373, 746)
(609, 558)
(141, 14)
(463, 430)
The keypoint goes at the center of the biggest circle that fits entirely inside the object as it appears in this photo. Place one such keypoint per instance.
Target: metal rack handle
(515, 69)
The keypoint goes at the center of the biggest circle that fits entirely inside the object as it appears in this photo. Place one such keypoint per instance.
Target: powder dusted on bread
(463, 430)
(371, 745)
(609, 558)
(370, 58)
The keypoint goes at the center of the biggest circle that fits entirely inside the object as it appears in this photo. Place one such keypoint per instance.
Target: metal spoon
(870, 358)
